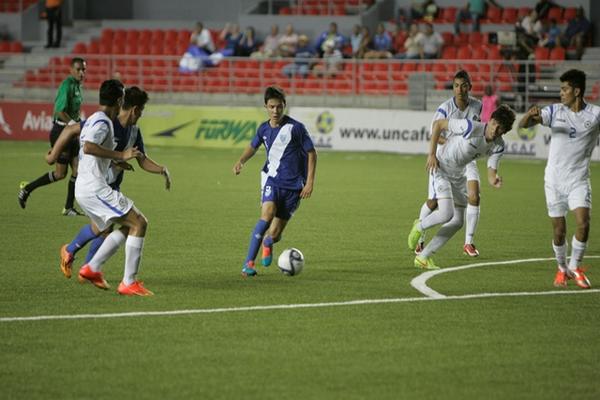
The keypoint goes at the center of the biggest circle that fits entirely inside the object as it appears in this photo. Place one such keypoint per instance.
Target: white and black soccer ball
(291, 262)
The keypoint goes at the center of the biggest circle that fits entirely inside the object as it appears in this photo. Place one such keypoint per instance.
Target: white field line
(420, 282)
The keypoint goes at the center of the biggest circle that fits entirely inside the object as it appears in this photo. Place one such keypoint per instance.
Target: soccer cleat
(560, 279)
(267, 255)
(23, 194)
(414, 235)
(248, 269)
(425, 263)
(96, 278)
(580, 279)
(66, 261)
(71, 212)
(135, 289)
(419, 248)
(470, 250)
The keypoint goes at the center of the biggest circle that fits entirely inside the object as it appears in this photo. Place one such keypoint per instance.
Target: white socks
(472, 220)
(106, 250)
(441, 215)
(133, 257)
(577, 251)
(560, 252)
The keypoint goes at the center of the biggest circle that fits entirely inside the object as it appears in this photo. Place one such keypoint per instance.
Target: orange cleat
(66, 261)
(580, 279)
(96, 278)
(561, 278)
(135, 289)
(470, 250)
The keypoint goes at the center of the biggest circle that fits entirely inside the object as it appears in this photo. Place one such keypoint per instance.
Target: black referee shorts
(70, 151)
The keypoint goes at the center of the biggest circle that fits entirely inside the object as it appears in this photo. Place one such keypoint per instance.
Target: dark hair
(274, 92)
(77, 60)
(575, 78)
(505, 117)
(464, 75)
(110, 92)
(134, 96)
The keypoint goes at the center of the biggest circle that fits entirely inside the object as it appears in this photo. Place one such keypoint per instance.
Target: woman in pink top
(490, 103)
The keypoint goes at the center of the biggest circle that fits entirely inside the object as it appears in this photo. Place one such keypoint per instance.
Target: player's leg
(67, 252)
(70, 209)
(267, 214)
(442, 236)
(272, 236)
(472, 218)
(557, 205)
(427, 208)
(579, 242)
(288, 202)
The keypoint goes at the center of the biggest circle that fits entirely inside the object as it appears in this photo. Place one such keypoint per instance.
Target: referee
(67, 107)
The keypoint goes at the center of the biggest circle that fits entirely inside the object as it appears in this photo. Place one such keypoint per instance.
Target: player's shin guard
(94, 246)
(70, 192)
(472, 221)
(255, 240)
(577, 251)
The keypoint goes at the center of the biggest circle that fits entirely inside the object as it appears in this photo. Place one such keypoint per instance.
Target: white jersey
(449, 109)
(574, 136)
(465, 142)
(93, 171)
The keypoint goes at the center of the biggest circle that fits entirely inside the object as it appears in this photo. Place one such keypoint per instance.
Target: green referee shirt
(68, 99)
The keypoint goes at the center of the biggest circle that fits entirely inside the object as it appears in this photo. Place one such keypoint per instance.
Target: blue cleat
(248, 269)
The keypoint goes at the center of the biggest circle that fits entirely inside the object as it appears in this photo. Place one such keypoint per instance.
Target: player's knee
(59, 175)
(474, 199)
(432, 204)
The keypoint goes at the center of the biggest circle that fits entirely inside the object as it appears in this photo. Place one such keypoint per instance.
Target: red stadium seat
(449, 53)
(80, 48)
(463, 53)
(494, 15)
(556, 13)
(509, 15)
(557, 53)
(448, 14)
(541, 53)
(16, 47)
(569, 14)
(475, 38)
(448, 38)
(523, 11)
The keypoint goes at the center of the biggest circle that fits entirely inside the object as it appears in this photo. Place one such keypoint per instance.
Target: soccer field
(351, 326)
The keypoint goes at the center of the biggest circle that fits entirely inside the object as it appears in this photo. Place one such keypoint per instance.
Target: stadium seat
(556, 13)
(449, 53)
(541, 53)
(448, 38)
(557, 53)
(569, 14)
(475, 38)
(463, 53)
(523, 11)
(509, 15)
(493, 15)
(448, 14)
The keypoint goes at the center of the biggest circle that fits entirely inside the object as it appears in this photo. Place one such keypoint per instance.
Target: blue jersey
(287, 153)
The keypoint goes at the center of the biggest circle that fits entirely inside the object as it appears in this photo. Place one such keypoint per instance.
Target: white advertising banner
(401, 131)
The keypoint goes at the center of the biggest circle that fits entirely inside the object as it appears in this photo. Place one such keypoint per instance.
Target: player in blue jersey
(287, 176)
(126, 135)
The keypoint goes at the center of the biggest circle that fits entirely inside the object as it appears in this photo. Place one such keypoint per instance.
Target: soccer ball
(291, 262)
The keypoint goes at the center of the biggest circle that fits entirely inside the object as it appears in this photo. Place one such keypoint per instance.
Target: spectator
(576, 31)
(54, 17)
(365, 43)
(202, 39)
(381, 46)
(270, 47)
(231, 35)
(333, 34)
(473, 10)
(490, 101)
(543, 7)
(288, 42)
(248, 43)
(531, 25)
(302, 62)
(431, 10)
(413, 49)
(332, 61)
(356, 39)
(431, 42)
(551, 35)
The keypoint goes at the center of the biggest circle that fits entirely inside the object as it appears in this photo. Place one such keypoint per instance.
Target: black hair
(505, 117)
(575, 78)
(134, 96)
(77, 60)
(464, 75)
(274, 92)
(110, 92)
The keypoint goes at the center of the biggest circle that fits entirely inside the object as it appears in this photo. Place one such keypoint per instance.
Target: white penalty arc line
(420, 282)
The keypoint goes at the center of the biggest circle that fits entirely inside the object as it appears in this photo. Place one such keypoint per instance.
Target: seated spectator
(543, 7)
(248, 43)
(302, 62)
(332, 34)
(551, 35)
(332, 61)
(473, 10)
(202, 39)
(365, 43)
(288, 42)
(430, 10)
(413, 49)
(431, 42)
(381, 46)
(231, 35)
(532, 25)
(576, 32)
(356, 39)
(270, 47)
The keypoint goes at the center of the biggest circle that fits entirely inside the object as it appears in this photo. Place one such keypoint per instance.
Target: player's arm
(492, 166)
(67, 134)
(102, 152)
(149, 165)
(436, 132)
(493, 178)
(532, 117)
(247, 154)
(310, 176)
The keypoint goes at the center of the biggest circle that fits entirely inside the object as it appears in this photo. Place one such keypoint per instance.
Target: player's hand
(237, 167)
(497, 182)
(167, 175)
(50, 159)
(534, 111)
(432, 163)
(130, 153)
(124, 166)
(306, 191)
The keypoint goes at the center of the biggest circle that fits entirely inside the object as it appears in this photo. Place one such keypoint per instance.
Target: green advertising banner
(201, 126)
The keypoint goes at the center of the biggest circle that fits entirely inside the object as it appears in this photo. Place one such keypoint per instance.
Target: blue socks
(85, 235)
(94, 248)
(256, 239)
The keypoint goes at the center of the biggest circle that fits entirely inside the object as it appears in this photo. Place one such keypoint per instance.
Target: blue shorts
(286, 201)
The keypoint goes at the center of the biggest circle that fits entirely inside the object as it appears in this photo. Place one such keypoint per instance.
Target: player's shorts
(442, 186)
(286, 201)
(472, 172)
(70, 151)
(104, 207)
(562, 197)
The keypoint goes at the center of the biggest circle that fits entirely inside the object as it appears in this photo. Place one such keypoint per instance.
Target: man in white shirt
(431, 42)
(202, 39)
(466, 140)
(575, 127)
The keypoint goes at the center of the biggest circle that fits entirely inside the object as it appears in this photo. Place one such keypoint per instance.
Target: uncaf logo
(526, 134)
(325, 122)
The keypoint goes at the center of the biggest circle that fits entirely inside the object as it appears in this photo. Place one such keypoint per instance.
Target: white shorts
(104, 207)
(445, 187)
(560, 198)
(472, 172)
